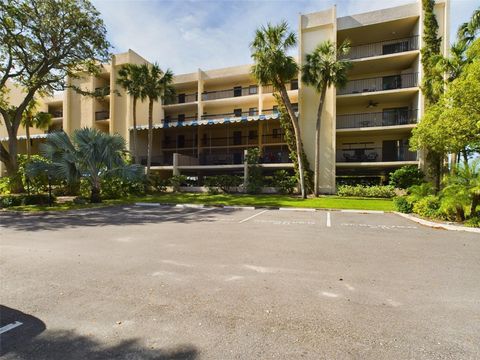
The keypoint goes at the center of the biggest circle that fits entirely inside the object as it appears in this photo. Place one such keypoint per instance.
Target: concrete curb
(436, 225)
(239, 207)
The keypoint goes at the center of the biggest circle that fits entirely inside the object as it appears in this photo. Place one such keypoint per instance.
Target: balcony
(237, 158)
(102, 115)
(293, 85)
(386, 47)
(102, 91)
(373, 154)
(385, 83)
(377, 119)
(179, 119)
(229, 93)
(56, 114)
(183, 99)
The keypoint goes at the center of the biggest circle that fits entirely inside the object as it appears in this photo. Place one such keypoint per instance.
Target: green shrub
(473, 222)
(255, 180)
(4, 185)
(158, 183)
(366, 191)
(284, 182)
(24, 199)
(418, 192)
(176, 181)
(356, 180)
(406, 177)
(402, 204)
(227, 183)
(428, 206)
(10, 200)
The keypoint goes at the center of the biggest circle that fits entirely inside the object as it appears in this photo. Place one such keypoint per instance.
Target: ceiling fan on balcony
(372, 104)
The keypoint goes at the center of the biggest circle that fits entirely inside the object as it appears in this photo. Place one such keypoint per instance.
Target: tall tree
(33, 118)
(131, 78)
(325, 67)
(430, 52)
(273, 65)
(41, 43)
(157, 86)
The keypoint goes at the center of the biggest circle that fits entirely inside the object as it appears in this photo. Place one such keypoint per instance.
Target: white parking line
(251, 217)
(329, 221)
(9, 327)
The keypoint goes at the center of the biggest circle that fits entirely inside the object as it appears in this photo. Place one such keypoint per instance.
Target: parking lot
(145, 282)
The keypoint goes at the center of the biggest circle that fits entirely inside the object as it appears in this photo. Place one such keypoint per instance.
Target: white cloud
(186, 35)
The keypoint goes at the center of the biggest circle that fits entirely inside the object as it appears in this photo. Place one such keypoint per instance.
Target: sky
(186, 35)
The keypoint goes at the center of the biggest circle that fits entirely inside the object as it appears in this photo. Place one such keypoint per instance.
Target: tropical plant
(463, 188)
(157, 85)
(273, 65)
(131, 78)
(42, 43)
(325, 67)
(406, 176)
(254, 177)
(31, 118)
(91, 154)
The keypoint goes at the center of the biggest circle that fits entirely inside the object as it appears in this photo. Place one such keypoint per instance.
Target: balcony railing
(168, 119)
(102, 115)
(386, 118)
(391, 82)
(102, 91)
(56, 113)
(386, 47)
(230, 115)
(274, 139)
(228, 93)
(182, 99)
(293, 85)
(237, 158)
(373, 154)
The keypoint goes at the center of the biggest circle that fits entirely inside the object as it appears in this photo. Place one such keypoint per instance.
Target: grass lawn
(323, 202)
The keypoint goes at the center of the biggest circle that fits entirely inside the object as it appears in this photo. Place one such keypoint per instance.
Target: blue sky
(187, 35)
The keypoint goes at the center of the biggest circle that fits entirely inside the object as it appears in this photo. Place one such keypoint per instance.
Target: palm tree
(325, 67)
(157, 86)
(273, 66)
(467, 31)
(31, 118)
(130, 77)
(91, 154)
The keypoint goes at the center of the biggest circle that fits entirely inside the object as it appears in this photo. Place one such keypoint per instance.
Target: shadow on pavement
(61, 345)
(30, 327)
(118, 215)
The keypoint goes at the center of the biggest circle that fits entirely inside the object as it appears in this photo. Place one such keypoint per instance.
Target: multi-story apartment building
(218, 114)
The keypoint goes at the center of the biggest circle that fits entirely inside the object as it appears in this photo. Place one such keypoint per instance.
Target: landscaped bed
(322, 202)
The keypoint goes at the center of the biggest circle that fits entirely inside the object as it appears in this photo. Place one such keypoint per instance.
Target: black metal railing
(228, 93)
(182, 99)
(102, 91)
(179, 143)
(274, 139)
(374, 154)
(56, 113)
(385, 118)
(168, 119)
(293, 85)
(102, 115)
(390, 82)
(237, 158)
(385, 47)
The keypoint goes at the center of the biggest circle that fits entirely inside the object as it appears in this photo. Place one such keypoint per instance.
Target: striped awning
(226, 120)
(24, 137)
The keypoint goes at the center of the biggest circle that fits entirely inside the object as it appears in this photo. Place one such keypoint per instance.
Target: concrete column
(199, 96)
(66, 121)
(245, 171)
(260, 98)
(176, 171)
(113, 101)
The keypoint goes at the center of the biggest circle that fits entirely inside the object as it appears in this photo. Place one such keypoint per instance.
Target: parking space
(154, 282)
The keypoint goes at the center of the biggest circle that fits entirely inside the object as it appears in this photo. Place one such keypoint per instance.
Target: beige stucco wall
(315, 28)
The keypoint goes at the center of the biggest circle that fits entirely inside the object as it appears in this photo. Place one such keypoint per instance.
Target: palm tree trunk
(150, 136)
(134, 140)
(317, 141)
(475, 202)
(27, 134)
(95, 196)
(298, 140)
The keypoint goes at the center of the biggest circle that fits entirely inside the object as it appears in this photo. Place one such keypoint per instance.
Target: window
(395, 47)
(294, 84)
(252, 134)
(276, 133)
(252, 89)
(181, 98)
(395, 116)
(252, 111)
(166, 120)
(181, 117)
(237, 91)
(237, 112)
